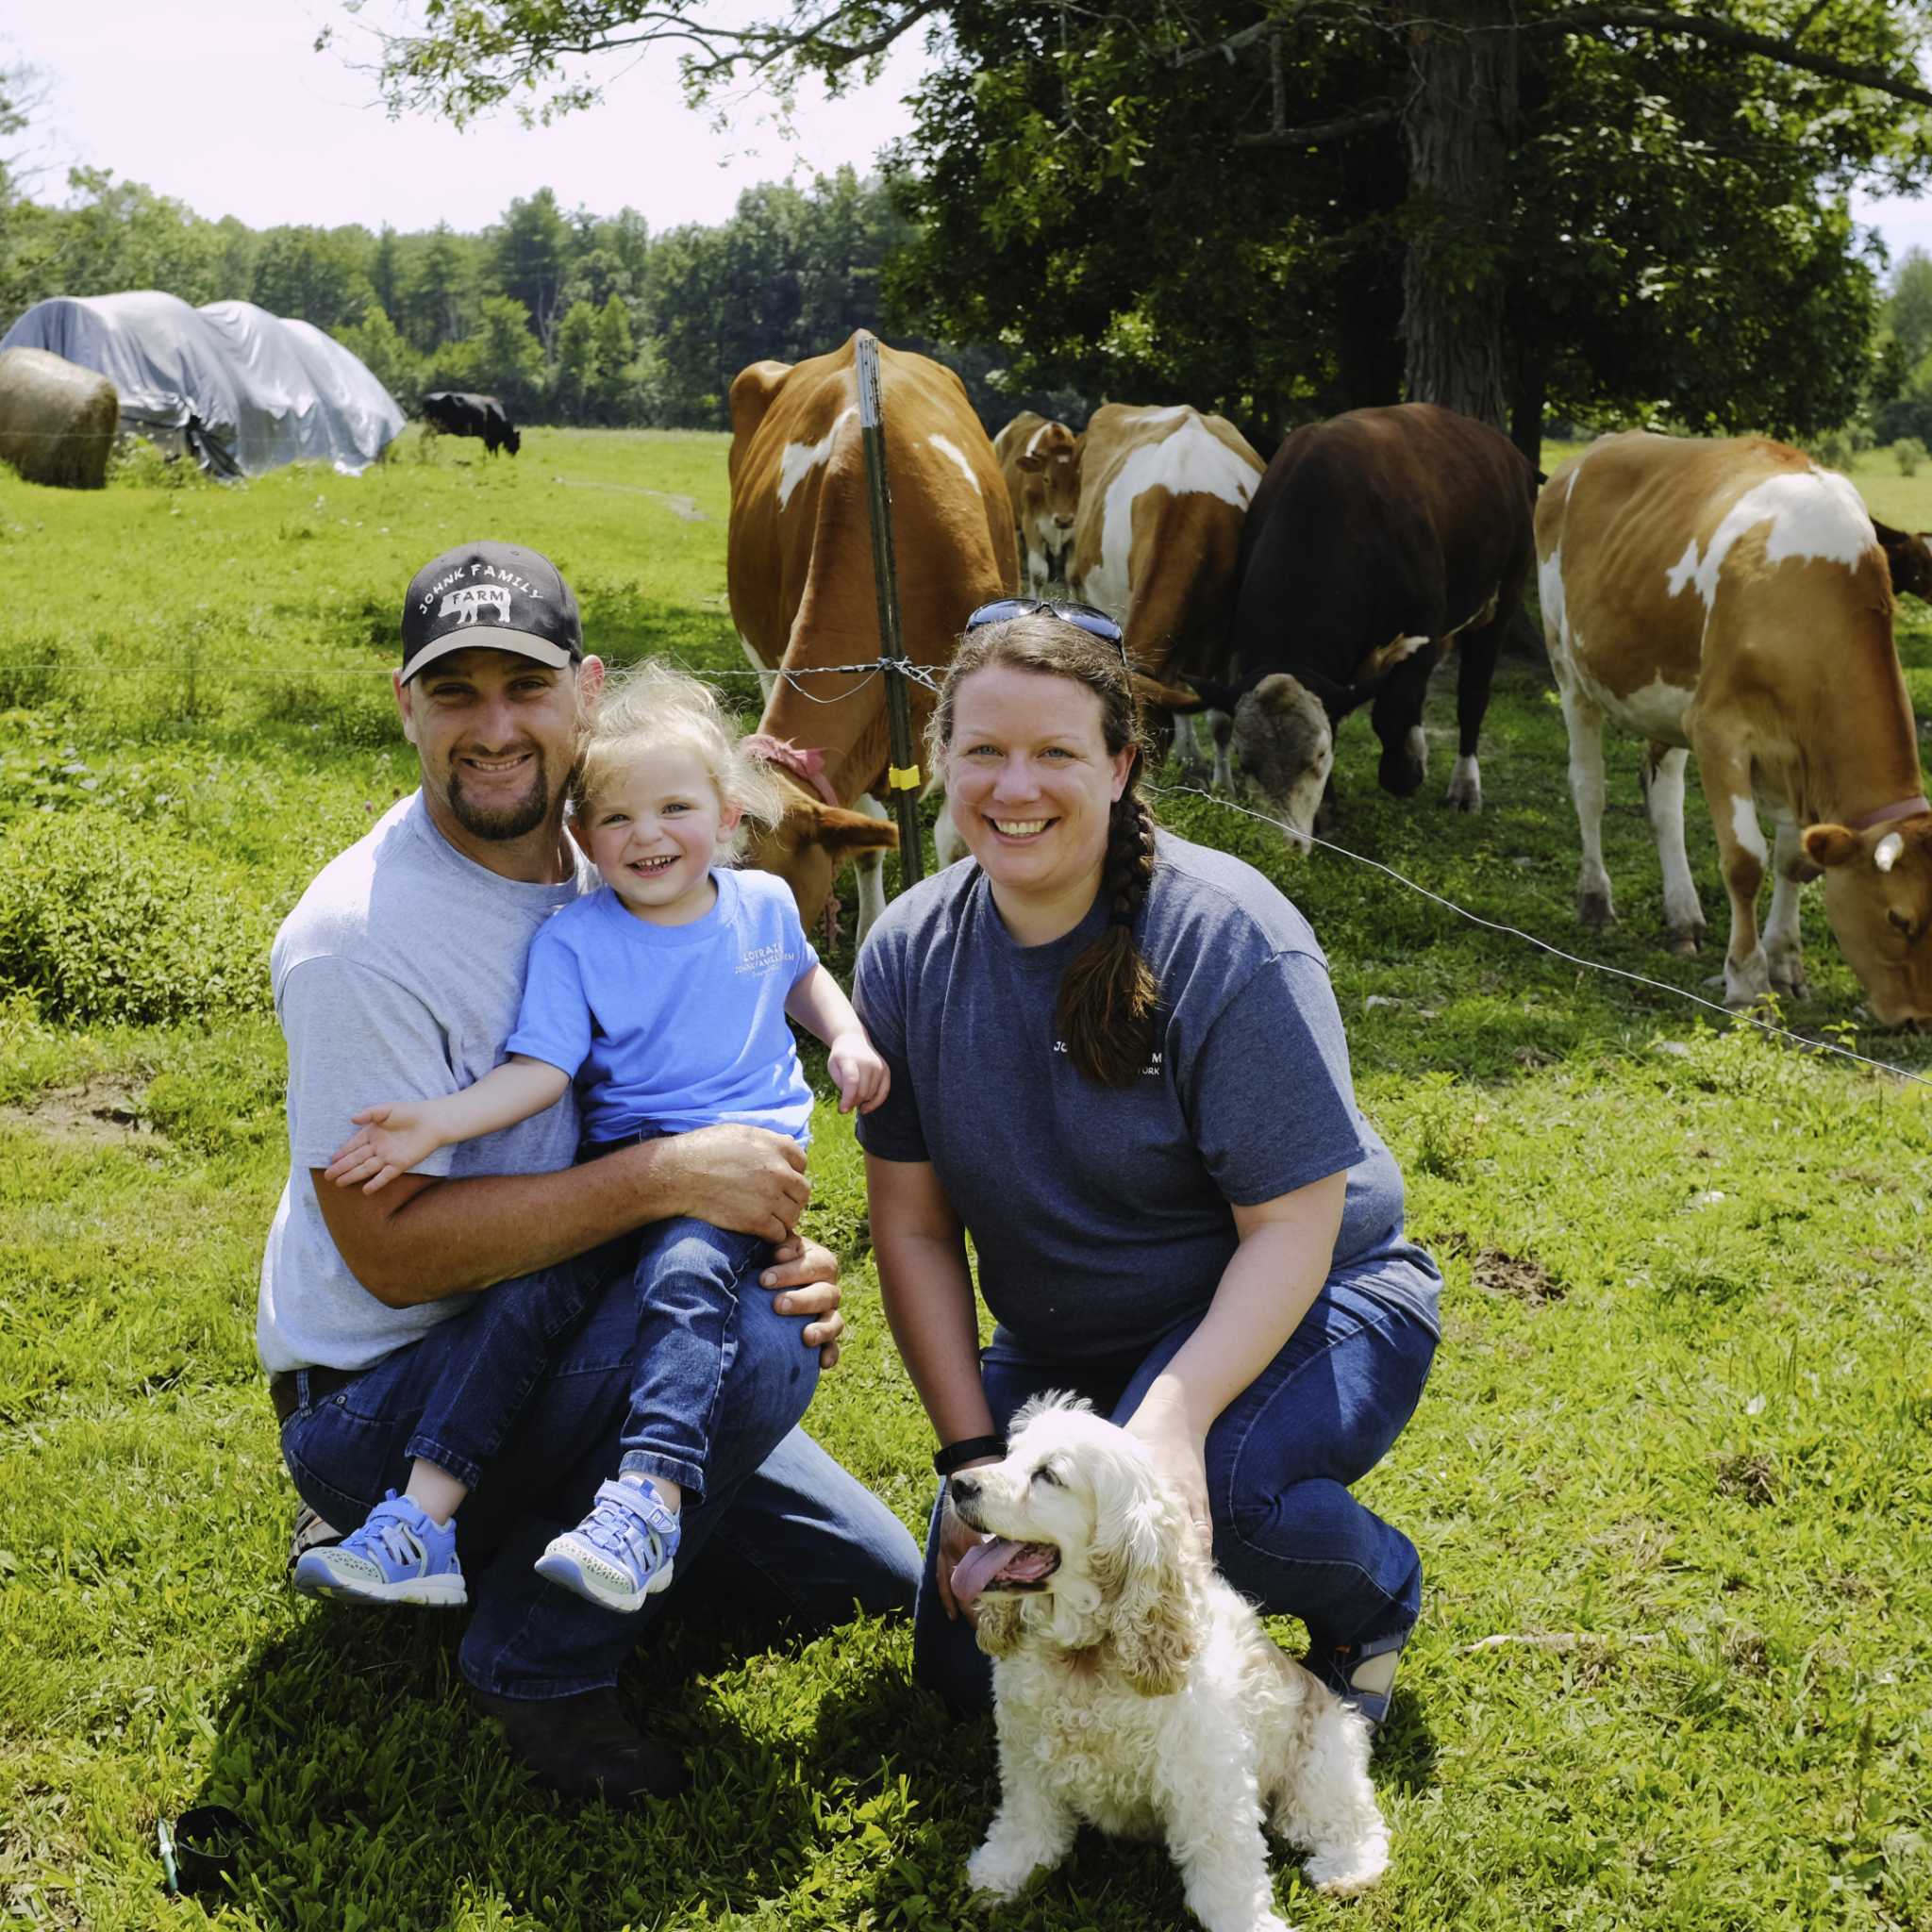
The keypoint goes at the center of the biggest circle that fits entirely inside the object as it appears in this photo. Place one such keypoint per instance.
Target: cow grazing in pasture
(1163, 495)
(1732, 599)
(456, 412)
(1040, 463)
(1377, 540)
(1909, 557)
(800, 573)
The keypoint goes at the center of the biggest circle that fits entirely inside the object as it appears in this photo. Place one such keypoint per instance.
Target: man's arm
(424, 1237)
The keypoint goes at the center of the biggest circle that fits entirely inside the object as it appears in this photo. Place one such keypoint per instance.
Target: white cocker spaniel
(1134, 1688)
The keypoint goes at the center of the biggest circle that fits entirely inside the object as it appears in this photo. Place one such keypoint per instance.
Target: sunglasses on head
(1094, 623)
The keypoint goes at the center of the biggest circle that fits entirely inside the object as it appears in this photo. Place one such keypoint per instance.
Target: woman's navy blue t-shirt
(1100, 1217)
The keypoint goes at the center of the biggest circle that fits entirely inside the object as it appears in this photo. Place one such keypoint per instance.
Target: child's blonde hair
(653, 704)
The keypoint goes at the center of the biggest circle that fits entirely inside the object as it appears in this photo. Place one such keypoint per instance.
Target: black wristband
(955, 1455)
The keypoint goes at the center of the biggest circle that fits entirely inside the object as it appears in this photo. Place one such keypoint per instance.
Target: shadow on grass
(376, 1794)
(823, 1784)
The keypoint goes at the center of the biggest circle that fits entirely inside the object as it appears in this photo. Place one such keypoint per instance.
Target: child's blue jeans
(688, 1278)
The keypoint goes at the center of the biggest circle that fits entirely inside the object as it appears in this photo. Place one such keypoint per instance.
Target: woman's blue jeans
(796, 1534)
(1287, 1533)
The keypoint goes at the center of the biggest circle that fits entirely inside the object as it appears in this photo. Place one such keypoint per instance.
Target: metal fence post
(902, 775)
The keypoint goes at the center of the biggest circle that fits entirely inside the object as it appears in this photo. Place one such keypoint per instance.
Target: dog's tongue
(979, 1567)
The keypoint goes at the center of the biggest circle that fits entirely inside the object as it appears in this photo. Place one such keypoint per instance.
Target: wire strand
(1543, 945)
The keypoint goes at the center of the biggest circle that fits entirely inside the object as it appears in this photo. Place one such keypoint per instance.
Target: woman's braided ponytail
(1109, 1000)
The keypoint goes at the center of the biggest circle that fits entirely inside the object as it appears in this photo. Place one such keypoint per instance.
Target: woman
(1117, 1064)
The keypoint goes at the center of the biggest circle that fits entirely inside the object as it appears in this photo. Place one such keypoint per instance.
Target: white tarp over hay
(238, 388)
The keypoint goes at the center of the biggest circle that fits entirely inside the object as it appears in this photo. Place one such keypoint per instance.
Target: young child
(664, 994)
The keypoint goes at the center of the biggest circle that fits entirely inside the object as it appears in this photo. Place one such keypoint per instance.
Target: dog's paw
(992, 1874)
(1341, 1870)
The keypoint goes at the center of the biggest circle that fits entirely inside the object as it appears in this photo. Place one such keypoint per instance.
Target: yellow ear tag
(902, 777)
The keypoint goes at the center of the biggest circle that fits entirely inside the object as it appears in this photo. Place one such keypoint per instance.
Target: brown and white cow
(800, 573)
(1730, 598)
(1163, 495)
(1041, 461)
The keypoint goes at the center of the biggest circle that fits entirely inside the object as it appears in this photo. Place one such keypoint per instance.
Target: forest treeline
(568, 315)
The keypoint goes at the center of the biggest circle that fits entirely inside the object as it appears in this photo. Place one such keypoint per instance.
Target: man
(400, 974)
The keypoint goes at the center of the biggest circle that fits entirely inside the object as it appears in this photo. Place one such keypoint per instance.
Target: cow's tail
(1197, 694)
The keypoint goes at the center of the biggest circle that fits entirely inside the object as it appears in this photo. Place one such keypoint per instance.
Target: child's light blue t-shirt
(666, 1028)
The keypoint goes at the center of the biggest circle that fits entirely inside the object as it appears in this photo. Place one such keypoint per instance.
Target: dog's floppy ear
(998, 1629)
(1149, 1578)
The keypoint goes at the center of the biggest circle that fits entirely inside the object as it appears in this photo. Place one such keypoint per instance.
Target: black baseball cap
(497, 596)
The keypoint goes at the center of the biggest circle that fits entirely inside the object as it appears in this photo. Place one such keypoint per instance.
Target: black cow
(1376, 540)
(457, 414)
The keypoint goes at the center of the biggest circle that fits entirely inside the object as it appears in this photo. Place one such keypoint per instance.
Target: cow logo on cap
(467, 604)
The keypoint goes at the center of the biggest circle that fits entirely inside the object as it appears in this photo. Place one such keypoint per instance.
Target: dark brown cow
(799, 567)
(1375, 540)
(1909, 557)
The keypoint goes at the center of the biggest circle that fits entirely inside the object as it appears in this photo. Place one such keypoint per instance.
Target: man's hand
(390, 1139)
(743, 1178)
(807, 1276)
(862, 1078)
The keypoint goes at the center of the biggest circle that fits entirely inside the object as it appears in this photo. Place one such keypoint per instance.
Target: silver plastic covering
(230, 384)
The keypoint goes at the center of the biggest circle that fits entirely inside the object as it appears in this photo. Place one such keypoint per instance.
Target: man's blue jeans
(690, 1277)
(801, 1537)
(1287, 1533)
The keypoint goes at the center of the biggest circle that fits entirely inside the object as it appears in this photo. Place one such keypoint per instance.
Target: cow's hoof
(1791, 986)
(1594, 911)
(1685, 941)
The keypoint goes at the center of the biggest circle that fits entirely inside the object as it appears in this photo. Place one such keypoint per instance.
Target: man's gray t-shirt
(397, 977)
(1100, 1218)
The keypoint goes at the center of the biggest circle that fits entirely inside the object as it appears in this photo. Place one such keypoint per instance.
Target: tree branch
(1720, 32)
(1316, 132)
(1227, 49)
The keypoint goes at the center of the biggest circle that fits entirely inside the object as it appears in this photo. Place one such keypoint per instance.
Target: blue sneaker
(1363, 1675)
(620, 1553)
(400, 1555)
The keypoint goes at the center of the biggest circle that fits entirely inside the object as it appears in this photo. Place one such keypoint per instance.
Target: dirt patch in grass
(100, 1108)
(1520, 1277)
(1752, 1478)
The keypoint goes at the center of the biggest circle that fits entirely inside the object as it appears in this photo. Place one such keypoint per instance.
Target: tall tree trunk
(1458, 121)
(1531, 385)
(1368, 344)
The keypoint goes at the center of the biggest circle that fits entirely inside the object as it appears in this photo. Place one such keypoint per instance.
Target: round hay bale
(57, 420)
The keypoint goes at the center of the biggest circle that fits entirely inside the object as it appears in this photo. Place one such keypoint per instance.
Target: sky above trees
(228, 108)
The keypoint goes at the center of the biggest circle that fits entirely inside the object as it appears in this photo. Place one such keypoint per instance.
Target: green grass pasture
(1672, 1478)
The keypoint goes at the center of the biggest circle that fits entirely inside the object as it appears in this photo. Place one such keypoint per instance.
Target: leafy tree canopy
(1284, 205)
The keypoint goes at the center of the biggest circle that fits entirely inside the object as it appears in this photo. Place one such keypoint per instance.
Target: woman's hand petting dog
(1135, 1690)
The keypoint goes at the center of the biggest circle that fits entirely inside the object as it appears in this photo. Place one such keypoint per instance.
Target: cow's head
(1908, 559)
(512, 440)
(1287, 748)
(1878, 897)
(1049, 487)
(812, 841)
